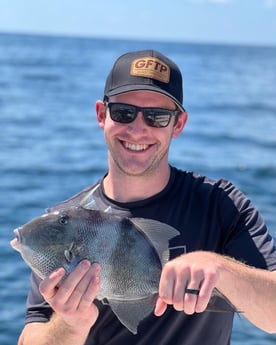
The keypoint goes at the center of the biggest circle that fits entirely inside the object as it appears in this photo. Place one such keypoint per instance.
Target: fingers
(205, 294)
(72, 300)
(48, 286)
(77, 290)
(187, 285)
(192, 292)
(87, 289)
(160, 307)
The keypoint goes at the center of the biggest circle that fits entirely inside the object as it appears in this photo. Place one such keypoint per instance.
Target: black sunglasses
(154, 117)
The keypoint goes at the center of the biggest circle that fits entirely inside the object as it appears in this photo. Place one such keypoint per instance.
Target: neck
(125, 188)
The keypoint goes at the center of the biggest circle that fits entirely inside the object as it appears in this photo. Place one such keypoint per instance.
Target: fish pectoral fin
(131, 312)
(69, 254)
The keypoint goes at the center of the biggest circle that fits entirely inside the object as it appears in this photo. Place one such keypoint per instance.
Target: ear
(100, 112)
(180, 124)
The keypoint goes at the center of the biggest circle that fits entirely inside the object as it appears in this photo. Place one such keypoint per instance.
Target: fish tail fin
(220, 303)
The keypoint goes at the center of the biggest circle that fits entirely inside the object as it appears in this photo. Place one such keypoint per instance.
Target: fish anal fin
(131, 312)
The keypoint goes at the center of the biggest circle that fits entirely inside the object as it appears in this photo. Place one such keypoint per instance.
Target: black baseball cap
(145, 70)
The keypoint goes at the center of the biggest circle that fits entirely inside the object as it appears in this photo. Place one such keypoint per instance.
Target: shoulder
(199, 191)
(200, 183)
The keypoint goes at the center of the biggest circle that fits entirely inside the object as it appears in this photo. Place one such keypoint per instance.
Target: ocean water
(51, 146)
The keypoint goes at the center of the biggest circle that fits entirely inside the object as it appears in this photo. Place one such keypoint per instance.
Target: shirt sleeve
(37, 310)
(247, 237)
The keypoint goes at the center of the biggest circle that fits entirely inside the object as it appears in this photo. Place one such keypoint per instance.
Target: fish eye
(63, 220)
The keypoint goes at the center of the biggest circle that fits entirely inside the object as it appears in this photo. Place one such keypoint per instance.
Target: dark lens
(157, 118)
(122, 113)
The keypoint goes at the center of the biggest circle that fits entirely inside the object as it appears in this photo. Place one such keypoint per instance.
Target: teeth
(134, 147)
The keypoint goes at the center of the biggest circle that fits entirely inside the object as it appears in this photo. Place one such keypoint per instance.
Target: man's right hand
(73, 300)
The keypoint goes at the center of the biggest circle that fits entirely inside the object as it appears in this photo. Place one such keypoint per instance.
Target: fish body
(131, 252)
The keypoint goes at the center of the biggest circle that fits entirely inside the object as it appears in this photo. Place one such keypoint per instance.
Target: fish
(131, 252)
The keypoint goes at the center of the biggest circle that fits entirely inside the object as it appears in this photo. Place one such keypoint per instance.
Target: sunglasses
(153, 117)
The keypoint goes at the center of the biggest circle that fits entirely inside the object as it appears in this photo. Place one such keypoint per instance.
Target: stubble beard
(151, 168)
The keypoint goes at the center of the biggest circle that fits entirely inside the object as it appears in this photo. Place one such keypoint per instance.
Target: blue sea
(51, 146)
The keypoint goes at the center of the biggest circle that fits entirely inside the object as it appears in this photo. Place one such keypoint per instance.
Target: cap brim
(129, 88)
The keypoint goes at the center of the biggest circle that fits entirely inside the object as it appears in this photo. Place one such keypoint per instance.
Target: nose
(138, 125)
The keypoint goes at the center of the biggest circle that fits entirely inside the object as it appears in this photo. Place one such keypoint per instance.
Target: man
(227, 243)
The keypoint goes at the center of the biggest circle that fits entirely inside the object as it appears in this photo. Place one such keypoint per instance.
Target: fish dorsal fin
(88, 201)
(158, 233)
(131, 312)
(108, 210)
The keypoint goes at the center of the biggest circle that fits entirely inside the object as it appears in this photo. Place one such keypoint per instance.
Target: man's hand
(73, 300)
(197, 271)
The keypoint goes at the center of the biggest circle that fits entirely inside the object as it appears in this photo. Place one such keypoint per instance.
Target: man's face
(136, 148)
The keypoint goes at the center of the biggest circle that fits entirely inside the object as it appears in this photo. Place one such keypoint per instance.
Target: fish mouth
(17, 240)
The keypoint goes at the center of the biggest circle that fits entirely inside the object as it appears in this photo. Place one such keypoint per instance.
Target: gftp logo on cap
(150, 67)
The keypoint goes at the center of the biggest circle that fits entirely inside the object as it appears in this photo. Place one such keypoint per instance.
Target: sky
(250, 22)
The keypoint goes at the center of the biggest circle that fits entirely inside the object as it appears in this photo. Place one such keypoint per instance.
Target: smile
(135, 147)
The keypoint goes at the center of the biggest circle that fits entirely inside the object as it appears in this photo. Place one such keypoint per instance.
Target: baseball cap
(145, 70)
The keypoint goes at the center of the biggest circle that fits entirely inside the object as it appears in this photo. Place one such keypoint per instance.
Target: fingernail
(58, 273)
(85, 264)
(96, 266)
